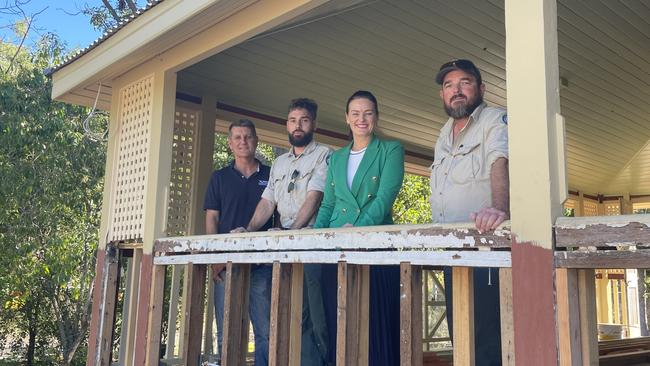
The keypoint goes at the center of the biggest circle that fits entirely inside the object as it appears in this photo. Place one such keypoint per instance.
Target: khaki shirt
(460, 173)
(311, 168)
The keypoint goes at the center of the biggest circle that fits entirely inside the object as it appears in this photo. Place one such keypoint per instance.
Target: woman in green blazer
(363, 180)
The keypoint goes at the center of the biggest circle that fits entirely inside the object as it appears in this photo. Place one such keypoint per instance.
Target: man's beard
(301, 141)
(463, 110)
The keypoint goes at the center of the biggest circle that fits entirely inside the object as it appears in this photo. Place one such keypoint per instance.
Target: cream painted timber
(230, 26)
(129, 46)
(202, 163)
(87, 95)
(159, 158)
(533, 102)
(110, 168)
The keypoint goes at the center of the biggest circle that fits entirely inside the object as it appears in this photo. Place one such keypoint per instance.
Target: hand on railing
(488, 218)
(240, 229)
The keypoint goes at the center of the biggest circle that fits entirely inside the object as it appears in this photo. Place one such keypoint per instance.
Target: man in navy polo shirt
(230, 201)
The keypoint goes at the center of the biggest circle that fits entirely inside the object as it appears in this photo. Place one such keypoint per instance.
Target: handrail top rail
(381, 237)
(583, 222)
(603, 231)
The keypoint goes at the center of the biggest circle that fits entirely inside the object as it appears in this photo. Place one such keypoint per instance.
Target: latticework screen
(131, 173)
(589, 208)
(183, 157)
(612, 208)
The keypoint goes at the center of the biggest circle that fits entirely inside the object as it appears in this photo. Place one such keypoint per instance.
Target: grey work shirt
(460, 173)
(309, 172)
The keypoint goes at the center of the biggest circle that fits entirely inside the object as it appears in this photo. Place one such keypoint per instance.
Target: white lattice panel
(183, 157)
(589, 208)
(131, 173)
(612, 208)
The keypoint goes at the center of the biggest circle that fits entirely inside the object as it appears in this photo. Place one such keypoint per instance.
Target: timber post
(537, 173)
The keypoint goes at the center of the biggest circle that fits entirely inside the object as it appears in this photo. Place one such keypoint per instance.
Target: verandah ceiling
(394, 47)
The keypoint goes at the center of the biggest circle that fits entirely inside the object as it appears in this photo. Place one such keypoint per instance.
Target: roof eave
(132, 44)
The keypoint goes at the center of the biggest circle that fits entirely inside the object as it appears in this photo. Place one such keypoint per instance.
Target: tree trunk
(31, 346)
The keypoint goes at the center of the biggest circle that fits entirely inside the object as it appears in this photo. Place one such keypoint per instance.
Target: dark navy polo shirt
(235, 196)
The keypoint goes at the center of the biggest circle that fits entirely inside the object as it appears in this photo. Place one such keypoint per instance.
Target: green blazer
(374, 187)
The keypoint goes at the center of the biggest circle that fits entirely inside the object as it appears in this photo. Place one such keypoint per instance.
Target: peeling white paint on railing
(618, 221)
(370, 237)
(603, 231)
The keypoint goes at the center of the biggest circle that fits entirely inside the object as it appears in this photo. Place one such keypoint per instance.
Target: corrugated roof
(108, 34)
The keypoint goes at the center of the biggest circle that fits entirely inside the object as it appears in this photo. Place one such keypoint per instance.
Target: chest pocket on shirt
(303, 179)
(299, 183)
(467, 163)
(277, 184)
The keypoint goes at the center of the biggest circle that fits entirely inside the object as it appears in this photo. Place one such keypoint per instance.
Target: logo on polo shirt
(263, 182)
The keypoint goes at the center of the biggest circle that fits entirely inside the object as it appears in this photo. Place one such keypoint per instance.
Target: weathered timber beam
(603, 259)
(369, 237)
(623, 230)
(464, 258)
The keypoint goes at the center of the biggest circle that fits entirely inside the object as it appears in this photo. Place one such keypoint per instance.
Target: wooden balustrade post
(507, 326)
(410, 314)
(235, 318)
(286, 314)
(463, 317)
(193, 298)
(568, 317)
(100, 342)
(128, 348)
(588, 321)
(155, 314)
(352, 340)
(172, 315)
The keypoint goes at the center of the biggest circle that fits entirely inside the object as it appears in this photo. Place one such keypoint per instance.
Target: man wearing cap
(469, 182)
(230, 200)
(296, 186)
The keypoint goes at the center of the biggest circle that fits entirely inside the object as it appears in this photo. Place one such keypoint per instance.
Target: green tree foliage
(412, 204)
(51, 189)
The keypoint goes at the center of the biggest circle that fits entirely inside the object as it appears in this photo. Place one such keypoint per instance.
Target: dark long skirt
(384, 313)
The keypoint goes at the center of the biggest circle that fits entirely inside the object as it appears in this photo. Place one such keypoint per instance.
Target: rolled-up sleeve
(496, 140)
(269, 191)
